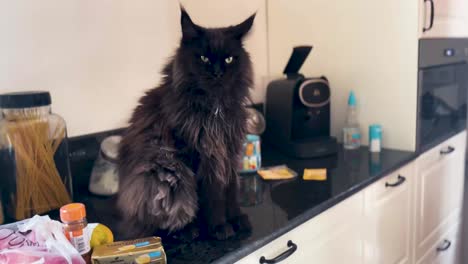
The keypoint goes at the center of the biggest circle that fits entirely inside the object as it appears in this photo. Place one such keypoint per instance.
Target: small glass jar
(104, 177)
(33, 156)
(73, 217)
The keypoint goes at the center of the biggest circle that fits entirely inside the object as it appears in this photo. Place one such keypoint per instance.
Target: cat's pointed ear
(241, 30)
(189, 29)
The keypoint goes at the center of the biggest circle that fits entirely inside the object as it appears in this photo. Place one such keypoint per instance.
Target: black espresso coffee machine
(298, 112)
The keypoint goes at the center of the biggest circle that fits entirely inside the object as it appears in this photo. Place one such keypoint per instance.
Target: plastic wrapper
(281, 172)
(138, 251)
(37, 240)
(33, 256)
(12, 238)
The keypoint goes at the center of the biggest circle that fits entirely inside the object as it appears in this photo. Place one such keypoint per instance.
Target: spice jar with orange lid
(74, 221)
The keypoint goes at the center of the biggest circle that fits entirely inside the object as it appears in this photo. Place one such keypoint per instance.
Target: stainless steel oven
(442, 91)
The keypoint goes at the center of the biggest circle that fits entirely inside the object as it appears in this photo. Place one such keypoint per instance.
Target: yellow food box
(139, 251)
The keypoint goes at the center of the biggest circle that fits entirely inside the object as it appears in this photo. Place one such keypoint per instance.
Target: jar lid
(72, 212)
(25, 99)
(110, 147)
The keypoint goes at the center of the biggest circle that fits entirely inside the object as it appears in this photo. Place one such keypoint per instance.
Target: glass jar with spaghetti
(33, 155)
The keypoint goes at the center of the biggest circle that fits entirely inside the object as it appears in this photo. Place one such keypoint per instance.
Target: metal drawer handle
(400, 181)
(445, 246)
(449, 150)
(291, 249)
(431, 22)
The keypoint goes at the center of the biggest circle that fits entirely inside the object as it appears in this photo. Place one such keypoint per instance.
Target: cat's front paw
(241, 223)
(222, 232)
(188, 233)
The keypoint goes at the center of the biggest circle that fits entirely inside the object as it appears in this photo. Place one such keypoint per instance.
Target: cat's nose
(217, 71)
(218, 74)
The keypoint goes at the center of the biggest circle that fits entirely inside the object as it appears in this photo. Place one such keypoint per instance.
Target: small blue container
(251, 156)
(375, 138)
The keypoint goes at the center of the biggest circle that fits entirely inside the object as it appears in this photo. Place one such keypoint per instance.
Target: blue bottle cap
(375, 131)
(352, 99)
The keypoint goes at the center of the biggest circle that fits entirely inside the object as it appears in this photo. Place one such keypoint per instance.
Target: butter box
(138, 251)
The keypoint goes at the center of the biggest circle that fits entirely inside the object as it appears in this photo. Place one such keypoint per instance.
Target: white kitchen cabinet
(439, 191)
(411, 215)
(388, 211)
(334, 236)
(447, 250)
(449, 18)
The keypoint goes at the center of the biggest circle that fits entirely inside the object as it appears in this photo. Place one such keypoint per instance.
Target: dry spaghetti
(39, 187)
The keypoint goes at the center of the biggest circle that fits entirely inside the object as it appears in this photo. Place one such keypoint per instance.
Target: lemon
(101, 235)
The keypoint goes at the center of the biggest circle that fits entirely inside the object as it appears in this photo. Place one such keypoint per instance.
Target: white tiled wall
(97, 57)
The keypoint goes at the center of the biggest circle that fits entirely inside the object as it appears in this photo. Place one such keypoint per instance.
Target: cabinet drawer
(440, 152)
(447, 248)
(388, 207)
(389, 186)
(319, 239)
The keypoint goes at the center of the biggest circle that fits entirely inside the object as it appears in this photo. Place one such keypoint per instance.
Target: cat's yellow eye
(204, 59)
(228, 60)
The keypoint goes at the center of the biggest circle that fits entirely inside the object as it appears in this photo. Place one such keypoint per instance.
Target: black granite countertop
(273, 207)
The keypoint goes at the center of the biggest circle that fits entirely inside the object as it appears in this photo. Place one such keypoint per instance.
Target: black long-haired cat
(178, 158)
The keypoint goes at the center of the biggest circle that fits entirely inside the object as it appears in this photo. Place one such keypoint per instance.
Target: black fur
(178, 158)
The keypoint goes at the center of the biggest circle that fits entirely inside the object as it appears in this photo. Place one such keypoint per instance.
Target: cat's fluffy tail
(160, 195)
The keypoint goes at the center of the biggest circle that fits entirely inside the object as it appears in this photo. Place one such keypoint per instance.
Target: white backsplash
(98, 57)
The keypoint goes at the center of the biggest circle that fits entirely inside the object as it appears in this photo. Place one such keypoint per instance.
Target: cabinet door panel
(388, 215)
(439, 195)
(450, 18)
(446, 250)
(433, 156)
(335, 236)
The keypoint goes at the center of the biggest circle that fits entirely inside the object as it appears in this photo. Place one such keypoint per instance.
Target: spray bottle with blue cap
(351, 130)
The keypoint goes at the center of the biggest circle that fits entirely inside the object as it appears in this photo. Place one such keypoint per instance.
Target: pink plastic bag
(32, 255)
(37, 240)
(14, 239)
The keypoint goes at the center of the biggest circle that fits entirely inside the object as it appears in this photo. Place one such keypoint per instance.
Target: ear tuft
(241, 30)
(189, 29)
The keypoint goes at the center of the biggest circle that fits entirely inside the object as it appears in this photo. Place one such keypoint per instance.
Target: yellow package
(277, 173)
(139, 251)
(315, 174)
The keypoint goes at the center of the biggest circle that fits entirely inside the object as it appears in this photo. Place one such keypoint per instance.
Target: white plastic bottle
(351, 131)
